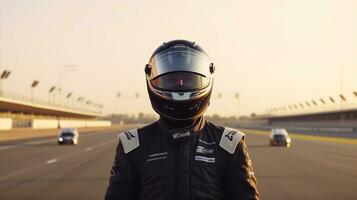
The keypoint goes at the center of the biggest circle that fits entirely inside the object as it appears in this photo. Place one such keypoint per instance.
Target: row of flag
(312, 103)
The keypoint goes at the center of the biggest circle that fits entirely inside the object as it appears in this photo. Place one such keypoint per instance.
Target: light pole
(342, 100)
(67, 68)
(341, 95)
(59, 89)
(236, 96)
(4, 75)
(117, 101)
(33, 85)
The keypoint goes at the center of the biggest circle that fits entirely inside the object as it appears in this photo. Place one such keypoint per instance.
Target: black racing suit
(160, 162)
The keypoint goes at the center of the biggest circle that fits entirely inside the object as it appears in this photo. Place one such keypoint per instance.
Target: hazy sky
(272, 52)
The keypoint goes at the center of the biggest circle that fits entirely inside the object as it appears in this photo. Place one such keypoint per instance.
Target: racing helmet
(179, 79)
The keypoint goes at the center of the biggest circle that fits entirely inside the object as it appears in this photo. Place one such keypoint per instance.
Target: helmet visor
(180, 81)
(179, 58)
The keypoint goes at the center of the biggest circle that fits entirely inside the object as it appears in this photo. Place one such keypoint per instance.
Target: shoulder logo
(230, 135)
(230, 139)
(130, 140)
(129, 135)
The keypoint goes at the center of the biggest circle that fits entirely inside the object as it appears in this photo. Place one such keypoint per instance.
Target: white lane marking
(89, 148)
(7, 147)
(49, 141)
(52, 161)
(101, 144)
(48, 162)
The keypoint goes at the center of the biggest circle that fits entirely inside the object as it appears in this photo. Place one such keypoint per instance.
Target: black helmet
(179, 80)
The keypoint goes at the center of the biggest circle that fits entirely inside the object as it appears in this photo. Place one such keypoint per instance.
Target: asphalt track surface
(41, 169)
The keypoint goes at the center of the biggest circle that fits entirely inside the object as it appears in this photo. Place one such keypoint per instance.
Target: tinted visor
(179, 58)
(180, 81)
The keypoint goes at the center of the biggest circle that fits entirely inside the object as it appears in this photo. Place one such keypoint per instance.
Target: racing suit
(203, 161)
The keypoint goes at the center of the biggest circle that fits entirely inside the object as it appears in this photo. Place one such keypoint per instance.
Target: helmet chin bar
(191, 108)
(180, 96)
(180, 109)
(180, 119)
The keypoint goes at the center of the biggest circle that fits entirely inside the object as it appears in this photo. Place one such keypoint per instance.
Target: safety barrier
(66, 123)
(72, 123)
(83, 124)
(98, 123)
(44, 123)
(5, 123)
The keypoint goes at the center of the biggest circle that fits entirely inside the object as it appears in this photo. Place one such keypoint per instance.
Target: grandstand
(325, 113)
(17, 111)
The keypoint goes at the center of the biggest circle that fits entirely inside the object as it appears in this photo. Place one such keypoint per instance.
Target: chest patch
(205, 159)
(203, 150)
(180, 134)
(157, 156)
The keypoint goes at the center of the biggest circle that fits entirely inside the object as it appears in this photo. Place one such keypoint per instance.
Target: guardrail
(7, 123)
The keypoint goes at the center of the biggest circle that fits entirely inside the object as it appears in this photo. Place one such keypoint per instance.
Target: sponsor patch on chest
(205, 159)
(180, 134)
(157, 156)
(203, 150)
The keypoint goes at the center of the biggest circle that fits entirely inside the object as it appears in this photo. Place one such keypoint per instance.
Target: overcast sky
(272, 52)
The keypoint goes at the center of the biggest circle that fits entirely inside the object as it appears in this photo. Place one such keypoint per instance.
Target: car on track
(280, 137)
(68, 136)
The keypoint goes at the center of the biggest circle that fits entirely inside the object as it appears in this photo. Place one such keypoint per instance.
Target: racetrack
(40, 169)
(307, 170)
